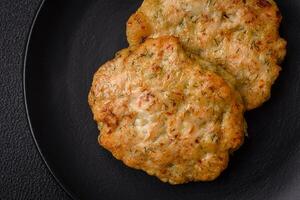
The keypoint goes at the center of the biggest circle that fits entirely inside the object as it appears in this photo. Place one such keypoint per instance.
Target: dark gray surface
(23, 175)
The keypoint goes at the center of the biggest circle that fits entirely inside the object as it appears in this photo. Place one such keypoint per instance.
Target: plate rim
(36, 144)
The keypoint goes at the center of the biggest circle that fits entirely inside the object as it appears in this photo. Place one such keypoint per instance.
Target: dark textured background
(23, 175)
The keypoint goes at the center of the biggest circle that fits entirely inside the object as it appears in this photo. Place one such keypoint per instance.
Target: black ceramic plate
(71, 39)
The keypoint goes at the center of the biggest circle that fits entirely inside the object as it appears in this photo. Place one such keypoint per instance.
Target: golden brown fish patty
(240, 36)
(161, 112)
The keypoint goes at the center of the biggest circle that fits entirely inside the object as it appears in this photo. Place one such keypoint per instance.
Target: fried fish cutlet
(161, 112)
(241, 36)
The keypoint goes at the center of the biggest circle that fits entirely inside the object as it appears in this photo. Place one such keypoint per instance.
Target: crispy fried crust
(241, 36)
(161, 112)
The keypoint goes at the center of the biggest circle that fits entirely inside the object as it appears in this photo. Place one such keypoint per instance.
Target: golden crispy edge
(139, 28)
(236, 111)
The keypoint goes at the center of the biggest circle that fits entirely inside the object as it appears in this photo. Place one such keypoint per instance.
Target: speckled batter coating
(241, 36)
(159, 111)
